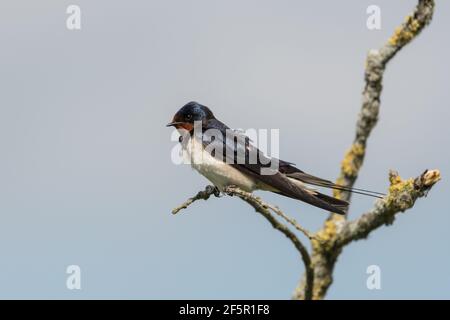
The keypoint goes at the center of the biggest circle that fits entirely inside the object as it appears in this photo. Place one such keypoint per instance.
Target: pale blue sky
(85, 171)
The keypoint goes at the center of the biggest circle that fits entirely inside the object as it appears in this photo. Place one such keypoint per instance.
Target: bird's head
(188, 114)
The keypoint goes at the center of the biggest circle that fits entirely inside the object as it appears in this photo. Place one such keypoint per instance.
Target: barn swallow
(227, 170)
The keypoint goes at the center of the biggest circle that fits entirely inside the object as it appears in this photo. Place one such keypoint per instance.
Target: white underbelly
(216, 171)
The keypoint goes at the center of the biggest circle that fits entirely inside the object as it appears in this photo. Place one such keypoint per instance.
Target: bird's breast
(218, 172)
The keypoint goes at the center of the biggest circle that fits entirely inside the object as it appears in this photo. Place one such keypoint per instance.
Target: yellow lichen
(402, 193)
(352, 160)
(406, 32)
(400, 186)
(325, 235)
(396, 188)
(338, 193)
(394, 179)
(414, 25)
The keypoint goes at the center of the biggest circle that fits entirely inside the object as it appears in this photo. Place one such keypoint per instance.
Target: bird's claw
(216, 192)
(228, 191)
(213, 190)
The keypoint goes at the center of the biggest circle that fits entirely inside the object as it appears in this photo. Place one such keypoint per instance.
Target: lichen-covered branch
(402, 196)
(337, 231)
(375, 66)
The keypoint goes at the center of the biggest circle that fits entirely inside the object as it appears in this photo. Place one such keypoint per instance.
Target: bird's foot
(229, 188)
(214, 190)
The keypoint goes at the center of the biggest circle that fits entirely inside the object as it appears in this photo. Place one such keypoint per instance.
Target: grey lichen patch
(401, 193)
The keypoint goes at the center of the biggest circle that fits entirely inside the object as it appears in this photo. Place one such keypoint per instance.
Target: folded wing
(238, 152)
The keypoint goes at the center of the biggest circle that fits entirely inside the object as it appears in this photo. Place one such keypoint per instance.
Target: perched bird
(232, 165)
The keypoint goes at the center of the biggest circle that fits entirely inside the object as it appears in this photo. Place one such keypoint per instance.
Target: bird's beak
(174, 123)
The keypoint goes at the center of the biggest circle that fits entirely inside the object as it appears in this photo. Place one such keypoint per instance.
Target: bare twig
(264, 209)
(292, 221)
(211, 190)
(201, 195)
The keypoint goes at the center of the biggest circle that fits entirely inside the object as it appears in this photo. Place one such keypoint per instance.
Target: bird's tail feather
(337, 203)
(322, 201)
(315, 181)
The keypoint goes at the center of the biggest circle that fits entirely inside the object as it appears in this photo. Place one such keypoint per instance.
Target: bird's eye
(189, 116)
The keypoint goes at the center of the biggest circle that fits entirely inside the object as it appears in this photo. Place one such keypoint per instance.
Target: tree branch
(402, 194)
(201, 195)
(375, 66)
(264, 209)
(337, 232)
